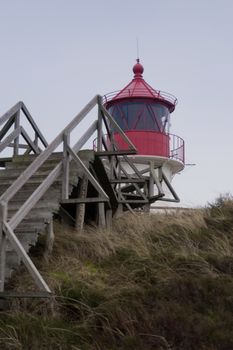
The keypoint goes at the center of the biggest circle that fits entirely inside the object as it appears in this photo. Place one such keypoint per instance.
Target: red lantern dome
(144, 113)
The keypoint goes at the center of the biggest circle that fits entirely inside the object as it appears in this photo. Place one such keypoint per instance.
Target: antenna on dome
(137, 49)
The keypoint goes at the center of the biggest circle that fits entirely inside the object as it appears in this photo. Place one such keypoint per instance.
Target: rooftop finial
(138, 69)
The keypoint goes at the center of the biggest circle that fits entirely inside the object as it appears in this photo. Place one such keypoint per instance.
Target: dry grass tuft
(155, 282)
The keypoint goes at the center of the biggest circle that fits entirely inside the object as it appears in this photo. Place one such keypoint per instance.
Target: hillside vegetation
(158, 282)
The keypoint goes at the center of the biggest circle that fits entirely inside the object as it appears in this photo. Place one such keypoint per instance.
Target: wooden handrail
(12, 116)
(10, 112)
(33, 124)
(43, 156)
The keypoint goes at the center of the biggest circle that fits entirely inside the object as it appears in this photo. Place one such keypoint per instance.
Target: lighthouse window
(140, 115)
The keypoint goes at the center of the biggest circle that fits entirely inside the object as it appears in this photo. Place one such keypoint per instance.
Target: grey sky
(56, 55)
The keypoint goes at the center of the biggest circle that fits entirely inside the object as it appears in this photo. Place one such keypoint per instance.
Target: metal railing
(129, 92)
(173, 148)
(177, 148)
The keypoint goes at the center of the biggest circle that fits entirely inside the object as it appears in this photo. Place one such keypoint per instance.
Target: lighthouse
(144, 114)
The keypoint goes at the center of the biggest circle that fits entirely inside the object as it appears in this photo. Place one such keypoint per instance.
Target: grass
(156, 282)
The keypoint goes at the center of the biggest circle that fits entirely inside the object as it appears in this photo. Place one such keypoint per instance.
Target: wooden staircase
(36, 179)
(41, 214)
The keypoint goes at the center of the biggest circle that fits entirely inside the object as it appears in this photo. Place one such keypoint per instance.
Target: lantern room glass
(141, 115)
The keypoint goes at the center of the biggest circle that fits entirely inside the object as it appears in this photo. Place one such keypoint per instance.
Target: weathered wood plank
(29, 141)
(84, 200)
(36, 195)
(6, 127)
(117, 153)
(131, 180)
(89, 176)
(33, 124)
(81, 208)
(25, 258)
(65, 167)
(3, 217)
(42, 157)
(17, 125)
(86, 136)
(9, 138)
(101, 215)
(10, 112)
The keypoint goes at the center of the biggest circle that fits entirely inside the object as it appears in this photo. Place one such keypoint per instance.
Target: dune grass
(163, 281)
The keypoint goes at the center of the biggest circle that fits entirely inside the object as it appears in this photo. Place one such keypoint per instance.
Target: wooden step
(40, 215)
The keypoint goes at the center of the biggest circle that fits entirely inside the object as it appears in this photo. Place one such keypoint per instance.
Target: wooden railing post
(101, 215)
(16, 142)
(81, 208)
(66, 166)
(99, 126)
(109, 219)
(49, 239)
(3, 217)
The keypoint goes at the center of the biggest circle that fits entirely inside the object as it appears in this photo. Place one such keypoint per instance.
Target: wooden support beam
(109, 219)
(125, 201)
(3, 217)
(99, 127)
(156, 181)
(101, 215)
(11, 112)
(117, 153)
(49, 240)
(17, 125)
(21, 145)
(84, 200)
(80, 208)
(89, 176)
(90, 131)
(34, 125)
(27, 138)
(6, 127)
(17, 246)
(9, 139)
(131, 180)
(65, 167)
(173, 192)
